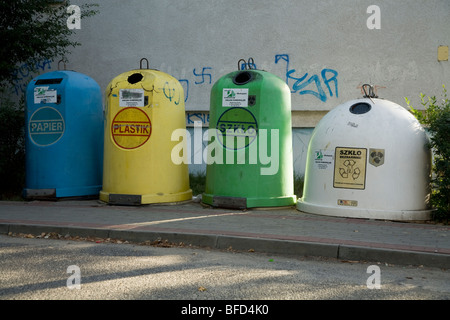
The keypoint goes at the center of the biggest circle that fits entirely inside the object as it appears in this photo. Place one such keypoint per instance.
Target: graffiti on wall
(199, 78)
(25, 72)
(197, 116)
(310, 84)
(322, 85)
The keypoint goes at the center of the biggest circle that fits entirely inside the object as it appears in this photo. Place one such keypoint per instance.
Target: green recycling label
(237, 128)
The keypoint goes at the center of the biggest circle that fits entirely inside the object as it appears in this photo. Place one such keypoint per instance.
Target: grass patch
(197, 182)
(298, 185)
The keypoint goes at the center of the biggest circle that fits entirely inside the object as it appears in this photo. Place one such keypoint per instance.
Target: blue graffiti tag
(186, 89)
(204, 77)
(25, 72)
(303, 82)
(200, 116)
(248, 65)
(203, 74)
(170, 93)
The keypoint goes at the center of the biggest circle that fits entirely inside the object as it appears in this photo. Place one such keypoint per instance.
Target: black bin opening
(360, 108)
(243, 78)
(135, 78)
(48, 81)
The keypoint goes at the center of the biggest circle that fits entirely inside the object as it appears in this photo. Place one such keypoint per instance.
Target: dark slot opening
(135, 78)
(242, 78)
(360, 108)
(48, 81)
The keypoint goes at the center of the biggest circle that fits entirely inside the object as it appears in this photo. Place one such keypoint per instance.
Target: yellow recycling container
(143, 108)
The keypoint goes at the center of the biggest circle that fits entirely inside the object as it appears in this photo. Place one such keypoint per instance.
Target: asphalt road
(47, 269)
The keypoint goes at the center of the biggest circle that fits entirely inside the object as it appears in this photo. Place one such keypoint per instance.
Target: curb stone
(271, 246)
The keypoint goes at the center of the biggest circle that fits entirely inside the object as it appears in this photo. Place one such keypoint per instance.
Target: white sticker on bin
(45, 95)
(235, 97)
(131, 98)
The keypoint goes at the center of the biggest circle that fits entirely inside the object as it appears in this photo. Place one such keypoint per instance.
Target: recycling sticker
(46, 126)
(235, 97)
(237, 124)
(131, 128)
(350, 168)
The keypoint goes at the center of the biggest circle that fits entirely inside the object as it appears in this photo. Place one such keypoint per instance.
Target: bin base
(56, 193)
(244, 203)
(138, 199)
(349, 212)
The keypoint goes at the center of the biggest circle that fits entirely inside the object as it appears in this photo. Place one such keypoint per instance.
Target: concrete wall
(325, 50)
(326, 43)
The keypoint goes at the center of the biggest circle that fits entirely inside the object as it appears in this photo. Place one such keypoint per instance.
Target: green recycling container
(249, 153)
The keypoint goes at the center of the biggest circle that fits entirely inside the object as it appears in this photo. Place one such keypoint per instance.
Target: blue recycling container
(63, 136)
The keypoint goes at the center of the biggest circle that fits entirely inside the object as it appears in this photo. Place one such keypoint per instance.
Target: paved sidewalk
(270, 230)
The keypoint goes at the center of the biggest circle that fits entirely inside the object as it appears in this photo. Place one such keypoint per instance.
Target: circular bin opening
(135, 78)
(242, 78)
(360, 108)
